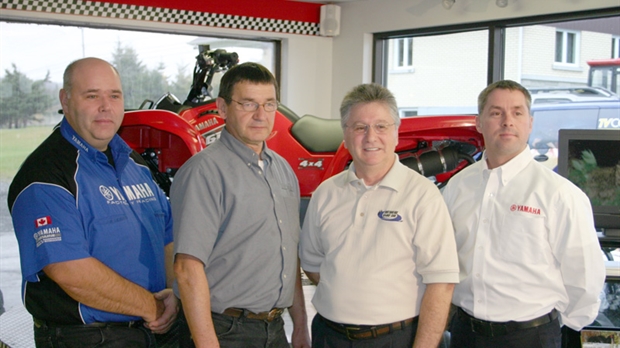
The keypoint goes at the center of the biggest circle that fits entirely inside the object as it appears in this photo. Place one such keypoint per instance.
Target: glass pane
(570, 48)
(559, 40)
(401, 52)
(450, 71)
(410, 51)
(557, 89)
(150, 64)
(530, 56)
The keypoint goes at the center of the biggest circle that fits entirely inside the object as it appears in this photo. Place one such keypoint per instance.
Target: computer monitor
(590, 158)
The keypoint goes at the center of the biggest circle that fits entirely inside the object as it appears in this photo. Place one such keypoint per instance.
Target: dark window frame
(496, 43)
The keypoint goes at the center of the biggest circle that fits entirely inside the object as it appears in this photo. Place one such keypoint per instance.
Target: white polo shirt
(526, 243)
(376, 247)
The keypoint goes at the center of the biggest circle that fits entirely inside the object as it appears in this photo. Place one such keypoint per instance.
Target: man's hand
(168, 315)
(300, 338)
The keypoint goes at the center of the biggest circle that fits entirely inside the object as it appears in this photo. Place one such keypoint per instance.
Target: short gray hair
(503, 84)
(368, 93)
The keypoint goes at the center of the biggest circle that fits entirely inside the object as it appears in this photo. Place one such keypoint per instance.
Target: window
(566, 47)
(150, 64)
(444, 82)
(403, 53)
(615, 47)
(407, 112)
(453, 64)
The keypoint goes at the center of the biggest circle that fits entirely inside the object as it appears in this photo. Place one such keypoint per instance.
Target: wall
(360, 19)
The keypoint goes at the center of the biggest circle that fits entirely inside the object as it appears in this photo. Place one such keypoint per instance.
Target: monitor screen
(590, 158)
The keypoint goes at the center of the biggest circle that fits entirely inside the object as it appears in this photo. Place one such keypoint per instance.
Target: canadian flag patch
(43, 221)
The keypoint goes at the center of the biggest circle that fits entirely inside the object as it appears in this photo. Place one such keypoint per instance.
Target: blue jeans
(99, 337)
(324, 336)
(544, 336)
(240, 332)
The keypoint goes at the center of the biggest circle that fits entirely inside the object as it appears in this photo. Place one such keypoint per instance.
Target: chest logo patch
(390, 215)
(525, 209)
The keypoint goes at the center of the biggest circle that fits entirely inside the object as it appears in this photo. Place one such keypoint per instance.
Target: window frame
(497, 35)
(406, 55)
(564, 54)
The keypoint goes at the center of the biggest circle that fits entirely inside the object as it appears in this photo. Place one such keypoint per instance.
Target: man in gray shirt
(236, 212)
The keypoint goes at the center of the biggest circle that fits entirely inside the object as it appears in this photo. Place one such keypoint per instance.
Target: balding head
(92, 100)
(67, 77)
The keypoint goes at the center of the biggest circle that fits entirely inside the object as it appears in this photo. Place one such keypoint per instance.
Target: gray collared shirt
(241, 221)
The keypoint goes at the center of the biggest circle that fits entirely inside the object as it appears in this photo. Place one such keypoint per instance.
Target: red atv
(168, 132)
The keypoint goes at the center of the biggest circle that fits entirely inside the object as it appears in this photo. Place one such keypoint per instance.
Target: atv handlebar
(207, 64)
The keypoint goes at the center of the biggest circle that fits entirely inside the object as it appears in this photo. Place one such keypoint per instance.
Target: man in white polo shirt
(377, 240)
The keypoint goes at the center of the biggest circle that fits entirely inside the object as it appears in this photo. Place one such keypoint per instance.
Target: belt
(362, 332)
(496, 329)
(269, 316)
(38, 323)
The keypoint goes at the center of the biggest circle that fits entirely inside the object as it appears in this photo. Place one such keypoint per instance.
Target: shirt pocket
(522, 238)
(110, 232)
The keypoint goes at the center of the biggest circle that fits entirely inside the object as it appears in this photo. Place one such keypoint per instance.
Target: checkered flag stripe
(165, 15)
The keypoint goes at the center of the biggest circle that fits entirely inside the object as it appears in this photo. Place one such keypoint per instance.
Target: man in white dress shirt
(528, 252)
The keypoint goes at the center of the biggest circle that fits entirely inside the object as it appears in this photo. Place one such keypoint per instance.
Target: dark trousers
(544, 336)
(101, 337)
(324, 336)
(239, 332)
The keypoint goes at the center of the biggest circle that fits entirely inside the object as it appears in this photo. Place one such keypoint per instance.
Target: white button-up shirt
(526, 244)
(376, 248)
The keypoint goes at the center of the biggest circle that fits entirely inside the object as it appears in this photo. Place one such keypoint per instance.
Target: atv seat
(318, 134)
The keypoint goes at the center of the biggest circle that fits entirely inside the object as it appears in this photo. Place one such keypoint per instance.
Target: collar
(393, 179)
(510, 169)
(120, 149)
(247, 155)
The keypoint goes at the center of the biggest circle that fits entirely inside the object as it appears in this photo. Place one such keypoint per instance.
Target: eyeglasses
(360, 128)
(252, 106)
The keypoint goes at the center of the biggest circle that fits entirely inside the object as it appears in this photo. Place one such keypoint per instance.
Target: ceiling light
(501, 3)
(447, 4)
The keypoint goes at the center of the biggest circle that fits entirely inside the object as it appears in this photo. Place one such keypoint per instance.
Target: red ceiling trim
(273, 9)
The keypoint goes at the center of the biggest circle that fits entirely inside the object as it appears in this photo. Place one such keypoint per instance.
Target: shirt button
(477, 275)
(285, 276)
(280, 221)
(249, 164)
(260, 172)
(486, 221)
(361, 214)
